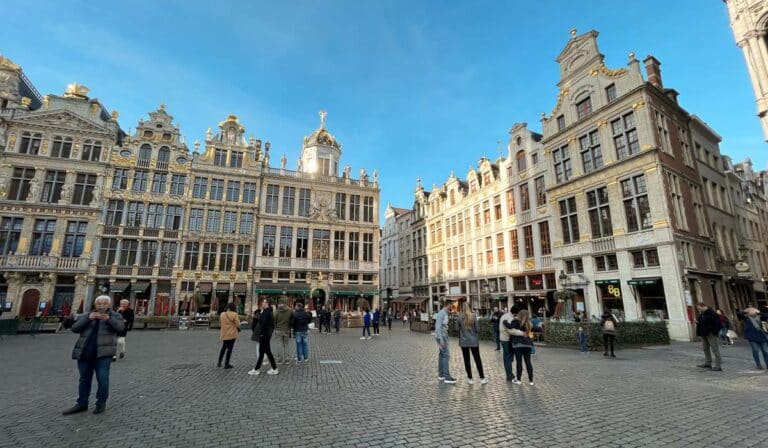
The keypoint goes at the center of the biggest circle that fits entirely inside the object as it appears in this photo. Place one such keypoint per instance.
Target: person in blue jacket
(376, 322)
(366, 324)
(754, 332)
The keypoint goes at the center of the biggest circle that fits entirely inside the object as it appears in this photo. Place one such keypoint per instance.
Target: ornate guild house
(87, 209)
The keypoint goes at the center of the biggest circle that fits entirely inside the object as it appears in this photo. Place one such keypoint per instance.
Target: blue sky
(413, 88)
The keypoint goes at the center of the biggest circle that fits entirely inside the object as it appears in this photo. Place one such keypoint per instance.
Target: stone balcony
(43, 262)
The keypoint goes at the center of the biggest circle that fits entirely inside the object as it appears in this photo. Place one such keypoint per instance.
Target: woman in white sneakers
(520, 331)
(468, 342)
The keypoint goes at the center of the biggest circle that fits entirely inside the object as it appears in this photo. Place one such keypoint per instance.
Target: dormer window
(560, 123)
(486, 179)
(521, 162)
(167, 136)
(584, 108)
(610, 93)
(148, 134)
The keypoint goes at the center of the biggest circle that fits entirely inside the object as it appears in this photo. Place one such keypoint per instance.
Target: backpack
(609, 325)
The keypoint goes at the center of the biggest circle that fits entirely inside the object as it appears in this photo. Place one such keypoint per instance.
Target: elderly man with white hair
(94, 350)
(128, 318)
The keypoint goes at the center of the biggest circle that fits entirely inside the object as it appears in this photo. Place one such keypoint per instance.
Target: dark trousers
(376, 328)
(327, 325)
(368, 329)
(226, 346)
(609, 340)
(496, 337)
(478, 362)
(509, 354)
(337, 324)
(389, 323)
(265, 349)
(87, 367)
(524, 354)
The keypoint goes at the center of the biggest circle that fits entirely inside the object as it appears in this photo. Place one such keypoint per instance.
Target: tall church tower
(320, 153)
(749, 21)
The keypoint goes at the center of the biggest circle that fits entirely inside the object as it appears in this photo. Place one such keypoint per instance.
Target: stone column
(152, 297)
(83, 291)
(49, 284)
(15, 280)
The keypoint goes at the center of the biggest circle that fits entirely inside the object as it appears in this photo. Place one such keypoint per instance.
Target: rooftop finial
(322, 114)
(162, 106)
(573, 32)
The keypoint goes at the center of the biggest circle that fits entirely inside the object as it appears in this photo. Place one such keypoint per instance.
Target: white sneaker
(470, 381)
(363, 338)
(298, 363)
(253, 372)
(368, 337)
(272, 372)
(440, 378)
(516, 382)
(484, 381)
(530, 383)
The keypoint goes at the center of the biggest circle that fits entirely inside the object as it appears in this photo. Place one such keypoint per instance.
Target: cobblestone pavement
(384, 393)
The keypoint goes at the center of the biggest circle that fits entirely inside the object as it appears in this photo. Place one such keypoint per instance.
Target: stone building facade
(86, 209)
(749, 22)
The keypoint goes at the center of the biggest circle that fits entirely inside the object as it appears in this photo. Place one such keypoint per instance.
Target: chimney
(653, 70)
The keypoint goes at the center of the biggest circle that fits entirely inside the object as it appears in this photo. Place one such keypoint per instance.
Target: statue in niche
(34, 189)
(283, 161)
(231, 136)
(96, 197)
(66, 192)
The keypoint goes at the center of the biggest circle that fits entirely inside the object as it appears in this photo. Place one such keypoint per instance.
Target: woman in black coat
(266, 328)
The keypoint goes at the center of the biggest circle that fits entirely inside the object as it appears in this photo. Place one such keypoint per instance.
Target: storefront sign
(642, 282)
(741, 266)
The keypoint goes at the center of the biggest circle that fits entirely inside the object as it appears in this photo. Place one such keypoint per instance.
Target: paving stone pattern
(168, 392)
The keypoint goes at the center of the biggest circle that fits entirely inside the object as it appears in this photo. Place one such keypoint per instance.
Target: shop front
(611, 299)
(650, 297)
(140, 296)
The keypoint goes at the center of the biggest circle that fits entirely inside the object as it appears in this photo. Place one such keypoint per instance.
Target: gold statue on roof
(76, 90)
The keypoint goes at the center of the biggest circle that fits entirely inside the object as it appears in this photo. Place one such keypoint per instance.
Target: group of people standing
(374, 320)
(713, 326)
(324, 318)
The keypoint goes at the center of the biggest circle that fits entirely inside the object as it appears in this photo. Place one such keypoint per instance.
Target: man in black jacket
(266, 328)
(128, 318)
(301, 320)
(708, 328)
(495, 318)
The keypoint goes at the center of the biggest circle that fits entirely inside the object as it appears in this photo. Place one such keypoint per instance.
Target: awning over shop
(643, 281)
(607, 282)
(290, 289)
(240, 288)
(400, 299)
(455, 297)
(416, 300)
(222, 288)
(205, 288)
(140, 287)
(118, 287)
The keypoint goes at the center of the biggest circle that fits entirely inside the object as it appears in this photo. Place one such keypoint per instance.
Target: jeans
(120, 346)
(368, 329)
(284, 340)
(389, 323)
(478, 362)
(508, 356)
(443, 358)
(87, 368)
(757, 347)
(376, 328)
(609, 340)
(496, 337)
(226, 346)
(584, 346)
(337, 324)
(265, 349)
(524, 353)
(711, 345)
(302, 349)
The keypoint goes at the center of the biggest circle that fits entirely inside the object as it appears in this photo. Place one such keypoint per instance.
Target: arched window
(519, 141)
(164, 154)
(61, 147)
(145, 152)
(521, 162)
(30, 143)
(452, 195)
(91, 150)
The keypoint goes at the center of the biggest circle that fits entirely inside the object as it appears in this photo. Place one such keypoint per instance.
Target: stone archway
(29, 302)
(318, 296)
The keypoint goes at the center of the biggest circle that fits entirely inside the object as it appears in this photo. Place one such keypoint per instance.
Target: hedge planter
(627, 333)
(8, 326)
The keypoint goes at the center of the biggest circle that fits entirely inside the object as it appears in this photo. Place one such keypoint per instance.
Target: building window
(496, 209)
(10, 232)
(148, 253)
(220, 157)
(74, 239)
(367, 247)
(528, 241)
(114, 213)
(217, 189)
(140, 179)
(246, 223)
(525, 197)
(135, 215)
(286, 240)
(321, 244)
(155, 215)
(128, 252)
(591, 154)
(605, 263)
(272, 197)
(108, 251)
(541, 191)
(195, 220)
(354, 207)
(61, 147)
(562, 159)
(30, 143)
(120, 179)
(213, 224)
(177, 184)
(584, 108)
(209, 257)
(338, 245)
(662, 128)
(569, 220)
(83, 193)
(191, 255)
(302, 242)
(510, 202)
(91, 151)
(230, 222)
(698, 208)
(625, 136)
(645, 258)
(163, 157)
(249, 192)
(158, 182)
(199, 187)
(354, 246)
(610, 93)
(235, 159)
(174, 216)
(305, 196)
(225, 257)
(368, 209)
(546, 248)
(42, 236)
(145, 154)
(268, 246)
(521, 162)
(289, 200)
(20, 183)
(168, 254)
(233, 191)
(574, 266)
(341, 205)
(243, 257)
(599, 212)
(52, 184)
(499, 248)
(560, 122)
(636, 207)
